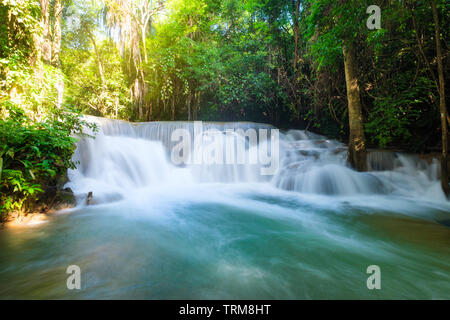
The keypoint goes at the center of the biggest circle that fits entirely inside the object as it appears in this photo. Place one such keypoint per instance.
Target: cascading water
(126, 156)
(163, 230)
(123, 157)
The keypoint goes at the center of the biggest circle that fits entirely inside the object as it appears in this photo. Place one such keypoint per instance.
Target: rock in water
(89, 198)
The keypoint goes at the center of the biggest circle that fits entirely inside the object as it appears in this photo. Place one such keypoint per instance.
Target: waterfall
(124, 157)
(160, 228)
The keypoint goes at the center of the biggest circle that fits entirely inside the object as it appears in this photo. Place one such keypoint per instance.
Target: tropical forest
(224, 149)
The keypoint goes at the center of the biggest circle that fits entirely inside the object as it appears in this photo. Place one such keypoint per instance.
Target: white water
(126, 157)
(160, 231)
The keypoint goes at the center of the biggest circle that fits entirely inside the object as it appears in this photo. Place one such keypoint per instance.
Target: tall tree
(357, 139)
(295, 17)
(58, 7)
(45, 41)
(336, 27)
(442, 103)
(132, 19)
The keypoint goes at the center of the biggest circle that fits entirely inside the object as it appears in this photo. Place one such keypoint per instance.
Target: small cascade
(162, 130)
(111, 167)
(150, 227)
(127, 156)
(313, 164)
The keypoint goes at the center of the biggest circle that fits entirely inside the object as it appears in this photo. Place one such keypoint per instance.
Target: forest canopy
(269, 61)
(275, 61)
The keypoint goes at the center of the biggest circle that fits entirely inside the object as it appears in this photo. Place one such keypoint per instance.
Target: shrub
(33, 155)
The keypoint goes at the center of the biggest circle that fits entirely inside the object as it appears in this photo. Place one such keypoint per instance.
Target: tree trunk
(99, 60)
(99, 66)
(116, 107)
(173, 107)
(138, 97)
(442, 106)
(196, 105)
(46, 45)
(144, 45)
(150, 110)
(139, 80)
(357, 156)
(296, 5)
(189, 105)
(56, 43)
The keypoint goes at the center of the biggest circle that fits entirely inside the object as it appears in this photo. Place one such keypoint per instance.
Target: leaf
(32, 174)
(10, 153)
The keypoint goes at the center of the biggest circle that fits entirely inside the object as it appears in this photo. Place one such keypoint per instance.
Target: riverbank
(52, 201)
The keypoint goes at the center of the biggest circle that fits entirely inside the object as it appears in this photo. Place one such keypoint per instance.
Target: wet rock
(89, 198)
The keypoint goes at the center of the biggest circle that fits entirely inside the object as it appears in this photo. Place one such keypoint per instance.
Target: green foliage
(399, 86)
(256, 60)
(234, 60)
(84, 89)
(34, 155)
(36, 130)
(95, 82)
(398, 117)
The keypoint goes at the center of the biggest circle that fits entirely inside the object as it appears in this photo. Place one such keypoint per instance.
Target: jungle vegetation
(304, 64)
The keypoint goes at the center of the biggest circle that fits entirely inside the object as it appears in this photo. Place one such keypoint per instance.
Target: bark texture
(442, 104)
(357, 155)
